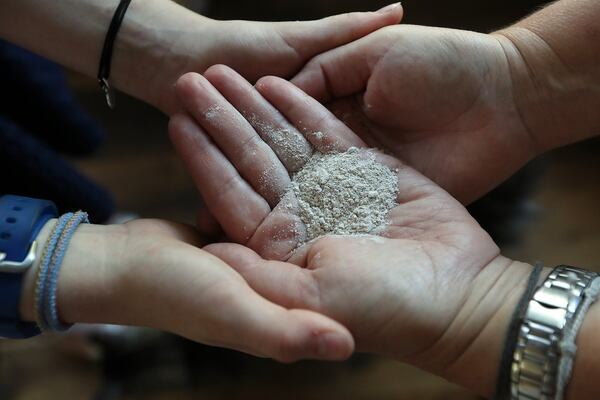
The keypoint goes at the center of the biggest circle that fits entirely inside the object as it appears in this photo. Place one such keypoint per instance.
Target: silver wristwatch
(537, 354)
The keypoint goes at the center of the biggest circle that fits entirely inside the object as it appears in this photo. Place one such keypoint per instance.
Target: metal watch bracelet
(537, 353)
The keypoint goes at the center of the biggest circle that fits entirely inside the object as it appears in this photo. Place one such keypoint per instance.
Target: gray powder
(346, 193)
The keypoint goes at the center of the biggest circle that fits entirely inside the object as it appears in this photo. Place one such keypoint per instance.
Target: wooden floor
(139, 167)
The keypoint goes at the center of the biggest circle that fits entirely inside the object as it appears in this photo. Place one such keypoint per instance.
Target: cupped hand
(440, 99)
(153, 273)
(256, 49)
(401, 292)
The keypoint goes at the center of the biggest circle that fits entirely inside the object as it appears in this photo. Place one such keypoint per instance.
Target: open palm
(411, 280)
(440, 99)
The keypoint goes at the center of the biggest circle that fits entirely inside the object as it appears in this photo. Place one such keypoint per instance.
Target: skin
(454, 128)
(159, 41)
(468, 109)
(431, 250)
(152, 273)
(431, 289)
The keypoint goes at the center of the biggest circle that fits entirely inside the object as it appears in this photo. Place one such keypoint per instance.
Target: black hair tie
(107, 51)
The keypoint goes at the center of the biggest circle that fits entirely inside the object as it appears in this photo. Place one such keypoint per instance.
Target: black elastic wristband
(503, 381)
(107, 51)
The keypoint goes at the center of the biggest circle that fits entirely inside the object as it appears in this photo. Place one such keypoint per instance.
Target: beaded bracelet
(42, 271)
(46, 311)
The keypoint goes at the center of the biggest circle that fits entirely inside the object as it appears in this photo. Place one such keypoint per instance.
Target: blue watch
(21, 219)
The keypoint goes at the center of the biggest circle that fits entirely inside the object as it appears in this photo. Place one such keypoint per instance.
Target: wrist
(555, 100)
(473, 344)
(90, 286)
(157, 43)
(26, 305)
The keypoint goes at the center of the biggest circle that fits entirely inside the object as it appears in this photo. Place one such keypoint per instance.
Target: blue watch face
(21, 219)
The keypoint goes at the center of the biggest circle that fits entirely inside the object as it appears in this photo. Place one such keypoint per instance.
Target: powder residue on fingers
(291, 147)
(213, 112)
(345, 193)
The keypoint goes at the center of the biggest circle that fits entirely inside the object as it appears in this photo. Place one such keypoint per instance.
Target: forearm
(554, 57)
(72, 32)
(477, 366)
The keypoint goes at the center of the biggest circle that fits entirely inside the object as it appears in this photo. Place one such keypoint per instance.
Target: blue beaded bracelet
(46, 286)
(42, 273)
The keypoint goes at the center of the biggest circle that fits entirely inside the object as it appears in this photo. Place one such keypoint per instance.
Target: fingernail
(389, 8)
(332, 346)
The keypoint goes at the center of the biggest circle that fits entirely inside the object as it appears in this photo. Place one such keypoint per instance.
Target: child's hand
(152, 273)
(253, 48)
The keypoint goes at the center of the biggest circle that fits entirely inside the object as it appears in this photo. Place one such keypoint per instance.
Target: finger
(314, 37)
(342, 71)
(281, 282)
(351, 111)
(257, 326)
(290, 145)
(210, 302)
(229, 197)
(236, 138)
(268, 330)
(281, 232)
(324, 131)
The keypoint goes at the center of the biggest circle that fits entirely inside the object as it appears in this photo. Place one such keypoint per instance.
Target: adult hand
(151, 273)
(442, 100)
(422, 291)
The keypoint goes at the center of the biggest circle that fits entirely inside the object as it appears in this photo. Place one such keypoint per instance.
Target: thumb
(248, 322)
(314, 37)
(305, 318)
(265, 329)
(342, 71)
(208, 302)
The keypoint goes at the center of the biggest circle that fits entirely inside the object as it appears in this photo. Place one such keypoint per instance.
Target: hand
(160, 40)
(420, 292)
(254, 49)
(441, 100)
(150, 273)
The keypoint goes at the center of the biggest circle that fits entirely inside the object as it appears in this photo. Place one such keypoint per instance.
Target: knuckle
(218, 72)
(185, 80)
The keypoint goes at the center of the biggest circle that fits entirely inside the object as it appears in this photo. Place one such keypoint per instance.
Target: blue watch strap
(21, 219)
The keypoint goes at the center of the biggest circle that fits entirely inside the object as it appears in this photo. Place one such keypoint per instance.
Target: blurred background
(547, 212)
